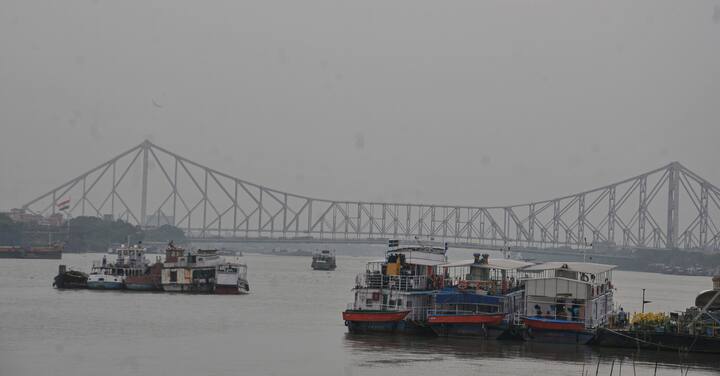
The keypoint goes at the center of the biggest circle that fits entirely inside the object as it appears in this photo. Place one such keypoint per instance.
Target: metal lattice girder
(151, 186)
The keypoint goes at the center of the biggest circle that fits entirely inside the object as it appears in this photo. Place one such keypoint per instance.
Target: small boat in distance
(52, 252)
(323, 260)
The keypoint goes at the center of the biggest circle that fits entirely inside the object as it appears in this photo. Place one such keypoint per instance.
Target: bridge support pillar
(673, 205)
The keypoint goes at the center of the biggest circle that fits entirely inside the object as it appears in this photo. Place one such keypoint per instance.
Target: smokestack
(477, 257)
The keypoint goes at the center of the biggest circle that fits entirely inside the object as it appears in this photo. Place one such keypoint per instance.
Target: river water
(290, 324)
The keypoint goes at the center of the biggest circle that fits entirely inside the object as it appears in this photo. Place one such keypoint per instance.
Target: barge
(695, 330)
(70, 279)
(52, 252)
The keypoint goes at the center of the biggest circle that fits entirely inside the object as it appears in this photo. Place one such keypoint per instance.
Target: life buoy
(584, 277)
(462, 285)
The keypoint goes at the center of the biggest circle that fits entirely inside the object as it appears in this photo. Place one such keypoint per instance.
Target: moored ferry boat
(567, 302)
(394, 294)
(323, 260)
(149, 281)
(232, 279)
(479, 298)
(106, 275)
(202, 271)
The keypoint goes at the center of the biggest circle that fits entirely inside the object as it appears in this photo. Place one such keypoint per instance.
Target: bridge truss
(667, 208)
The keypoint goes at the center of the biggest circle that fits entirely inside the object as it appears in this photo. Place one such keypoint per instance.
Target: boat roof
(433, 250)
(582, 267)
(497, 263)
(415, 260)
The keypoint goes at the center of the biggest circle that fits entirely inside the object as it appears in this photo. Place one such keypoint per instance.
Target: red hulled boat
(553, 324)
(477, 319)
(373, 315)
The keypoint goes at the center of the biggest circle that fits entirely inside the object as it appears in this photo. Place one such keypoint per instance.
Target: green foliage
(11, 233)
(87, 234)
(94, 234)
(165, 233)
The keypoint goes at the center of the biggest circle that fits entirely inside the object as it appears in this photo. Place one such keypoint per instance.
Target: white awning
(582, 267)
(422, 261)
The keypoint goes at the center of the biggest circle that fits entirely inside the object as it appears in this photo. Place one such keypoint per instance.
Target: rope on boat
(636, 339)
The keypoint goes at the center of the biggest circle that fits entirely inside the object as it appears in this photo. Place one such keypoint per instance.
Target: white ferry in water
(566, 302)
(106, 275)
(202, 271)
(394, 294)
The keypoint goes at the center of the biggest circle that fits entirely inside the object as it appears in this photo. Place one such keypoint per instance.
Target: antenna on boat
(644, 301)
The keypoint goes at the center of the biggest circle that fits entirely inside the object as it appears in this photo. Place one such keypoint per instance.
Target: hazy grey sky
(468, 102)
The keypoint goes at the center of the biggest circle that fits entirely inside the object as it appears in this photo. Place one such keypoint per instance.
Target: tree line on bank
(84, 234)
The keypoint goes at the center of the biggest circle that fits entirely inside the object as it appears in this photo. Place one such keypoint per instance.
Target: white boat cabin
(572, 291)
(404, 280)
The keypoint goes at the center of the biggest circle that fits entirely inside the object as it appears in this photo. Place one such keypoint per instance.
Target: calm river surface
(290, 324)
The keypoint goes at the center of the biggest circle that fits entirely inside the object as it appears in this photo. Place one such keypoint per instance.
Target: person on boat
(575, 310)
(104, 261)
(538, 311)
(622, 318)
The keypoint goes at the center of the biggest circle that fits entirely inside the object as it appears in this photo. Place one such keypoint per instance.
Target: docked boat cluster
(198, 271)
(414, 290)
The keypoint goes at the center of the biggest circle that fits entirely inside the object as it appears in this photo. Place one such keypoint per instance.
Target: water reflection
(409, 349)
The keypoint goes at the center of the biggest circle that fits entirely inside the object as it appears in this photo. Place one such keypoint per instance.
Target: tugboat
(323, 260)
(479, 298)
(202, 271)
(393, 294)
(567, 302)
(70, 279)
(149, 281)
(130, 261)
(695, 330)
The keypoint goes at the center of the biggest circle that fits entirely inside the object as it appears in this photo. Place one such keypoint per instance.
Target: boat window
(368, 302)
(408, 303)
(173, 276)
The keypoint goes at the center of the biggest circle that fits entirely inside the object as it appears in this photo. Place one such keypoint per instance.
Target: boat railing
(492, 287)
(393, 282)
(467, 309)
(558, 318)
(417, 313)
(451, 312)
(380, 307)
